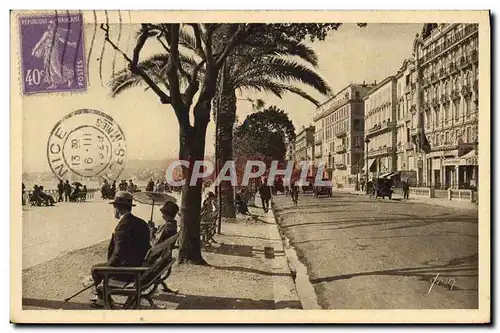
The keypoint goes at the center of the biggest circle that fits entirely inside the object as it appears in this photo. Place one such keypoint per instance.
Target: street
(364, 253)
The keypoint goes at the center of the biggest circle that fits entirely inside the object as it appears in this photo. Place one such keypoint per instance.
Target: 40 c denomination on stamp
(52, 53)
(87, 143)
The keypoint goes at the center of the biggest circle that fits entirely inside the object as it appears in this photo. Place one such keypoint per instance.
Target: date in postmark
(52, 53)
(87, 143)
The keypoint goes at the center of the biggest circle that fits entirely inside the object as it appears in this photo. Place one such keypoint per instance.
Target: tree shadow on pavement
(55, 304)
(212, 302)
(250, 270)
(450, 268)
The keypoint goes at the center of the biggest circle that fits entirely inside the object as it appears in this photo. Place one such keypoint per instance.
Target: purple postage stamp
(52, 53)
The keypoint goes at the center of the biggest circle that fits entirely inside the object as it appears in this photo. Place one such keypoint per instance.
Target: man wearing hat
(129, 243)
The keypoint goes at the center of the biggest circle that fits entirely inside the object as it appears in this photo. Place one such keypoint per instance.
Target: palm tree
(264, 70)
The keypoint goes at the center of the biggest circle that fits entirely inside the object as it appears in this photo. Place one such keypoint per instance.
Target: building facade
(304, 144)
(406, 104)
(446, 117)
(339, 133)
(380, 128)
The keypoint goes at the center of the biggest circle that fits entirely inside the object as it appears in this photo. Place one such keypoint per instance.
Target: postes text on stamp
(52, 53)
(87, 143)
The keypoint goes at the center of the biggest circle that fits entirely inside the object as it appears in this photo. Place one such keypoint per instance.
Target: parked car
(323, 190)
(308, 186)
(382, 188)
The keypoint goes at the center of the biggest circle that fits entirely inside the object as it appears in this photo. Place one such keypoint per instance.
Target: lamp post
(357, 170)
(330, 165)
(367, 141)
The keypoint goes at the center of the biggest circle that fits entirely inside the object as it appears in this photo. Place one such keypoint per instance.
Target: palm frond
(288, 48)
(283, 70)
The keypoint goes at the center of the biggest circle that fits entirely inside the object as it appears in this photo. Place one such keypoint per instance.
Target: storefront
(461, 172)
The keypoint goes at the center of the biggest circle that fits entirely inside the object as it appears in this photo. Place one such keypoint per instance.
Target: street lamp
(330, 165)
(367, 141)
(357, 169)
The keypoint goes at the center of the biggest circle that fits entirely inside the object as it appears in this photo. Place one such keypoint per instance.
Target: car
(308, 185)
(382, 188)
(323, 190)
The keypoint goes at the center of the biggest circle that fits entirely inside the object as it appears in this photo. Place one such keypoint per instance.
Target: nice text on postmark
(87, 143)
(52, 53)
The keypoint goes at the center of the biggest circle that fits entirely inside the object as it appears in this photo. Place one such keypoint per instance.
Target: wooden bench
(146, 279)
(208, 227)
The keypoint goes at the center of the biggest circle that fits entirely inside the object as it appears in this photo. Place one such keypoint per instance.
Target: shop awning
(371, 161)
(387, 175)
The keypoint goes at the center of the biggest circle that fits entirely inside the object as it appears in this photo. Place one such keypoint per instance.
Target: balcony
(339, 149)
(413, 86)
(426, 82)
(318, 153)
(407, 89)
(340, 166)
(475, 85)
(455, 95)
(318, 142)
(408, 146)
(473, 56)
(341, 134)
(413, 108)
(434, 77)
(463, 63)
(452, 67)
(381, 151)
(442, 73)
(384, 126)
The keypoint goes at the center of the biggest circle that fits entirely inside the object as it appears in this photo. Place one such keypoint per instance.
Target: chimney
(375, 82)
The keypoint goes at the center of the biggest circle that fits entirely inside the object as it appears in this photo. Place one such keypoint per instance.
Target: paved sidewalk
(239, 276)
(418, 199)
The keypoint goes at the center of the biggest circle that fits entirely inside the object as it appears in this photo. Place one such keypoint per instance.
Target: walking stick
(81, 291)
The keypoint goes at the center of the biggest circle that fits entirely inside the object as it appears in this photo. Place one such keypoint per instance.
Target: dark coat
(265, 191)
(129, 243)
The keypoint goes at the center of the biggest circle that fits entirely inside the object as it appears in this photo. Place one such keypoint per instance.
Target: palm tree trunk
(226, 114)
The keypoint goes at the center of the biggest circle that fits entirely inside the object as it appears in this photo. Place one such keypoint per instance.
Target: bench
(146, 279)
(208, 227)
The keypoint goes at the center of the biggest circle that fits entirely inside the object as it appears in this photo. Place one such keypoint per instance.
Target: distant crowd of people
(160, 187)
(39, 196)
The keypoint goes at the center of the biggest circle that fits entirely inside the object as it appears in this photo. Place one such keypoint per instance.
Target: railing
(385, 125)
(455, 94)
(452, 67)
(473, 56)
(466, 90)
(434, 77)
(445, 99)
(466, 195)
(318, 153)
(435, 102)
(469, 30)
(442, 72)
(340, 166)
(340, 148)
(341, 134)
(421, 191)
(380, 151)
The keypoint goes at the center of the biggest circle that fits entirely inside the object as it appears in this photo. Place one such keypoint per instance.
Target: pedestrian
(23, 200)
(151, 185)
(60, 190)
(265, 195)
(128, 245)
(406, 190)
(167, 230)
(49, 200)
(67, 190)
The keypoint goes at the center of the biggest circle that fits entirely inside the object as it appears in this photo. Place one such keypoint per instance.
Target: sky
(349, 55)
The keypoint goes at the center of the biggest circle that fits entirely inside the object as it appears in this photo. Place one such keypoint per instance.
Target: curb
(303, 287)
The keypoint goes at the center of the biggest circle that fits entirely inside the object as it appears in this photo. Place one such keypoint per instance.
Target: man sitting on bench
(128, 245)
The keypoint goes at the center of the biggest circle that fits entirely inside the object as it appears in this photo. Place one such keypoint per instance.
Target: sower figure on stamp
(129, 243)
(47, 48)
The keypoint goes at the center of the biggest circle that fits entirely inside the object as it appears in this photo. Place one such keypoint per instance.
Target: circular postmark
(87, 143)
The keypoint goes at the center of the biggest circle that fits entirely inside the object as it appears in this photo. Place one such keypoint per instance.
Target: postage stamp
(87, 143)
(52, 53)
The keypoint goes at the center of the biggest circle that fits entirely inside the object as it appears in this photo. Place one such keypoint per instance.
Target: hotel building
(339, 134)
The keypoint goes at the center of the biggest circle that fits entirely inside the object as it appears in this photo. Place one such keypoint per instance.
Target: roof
(378, 86)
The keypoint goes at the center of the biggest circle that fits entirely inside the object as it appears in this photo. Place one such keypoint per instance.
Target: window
(446, 138)
(469, 135)
(357, 94)
(437, 117)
